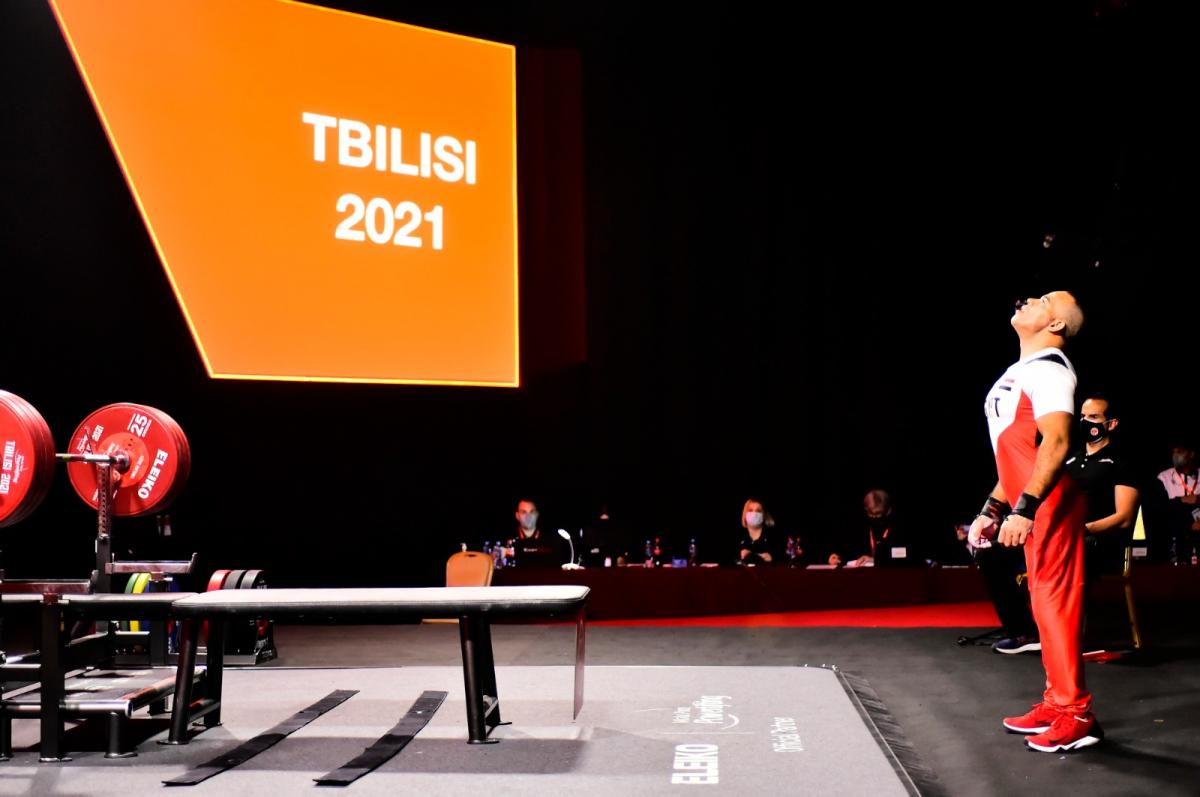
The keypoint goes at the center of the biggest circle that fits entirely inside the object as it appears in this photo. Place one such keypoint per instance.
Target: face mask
(529, 522)
(1092, 432)
(754, 519)
(877, 523)
(1180, 461)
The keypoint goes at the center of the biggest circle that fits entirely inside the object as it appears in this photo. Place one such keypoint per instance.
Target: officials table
(624, 593)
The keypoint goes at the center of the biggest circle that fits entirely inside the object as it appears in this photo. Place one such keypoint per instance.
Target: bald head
(1064, 308)
(1051, 319)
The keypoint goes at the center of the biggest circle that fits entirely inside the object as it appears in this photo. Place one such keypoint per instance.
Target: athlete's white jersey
(1041, 383)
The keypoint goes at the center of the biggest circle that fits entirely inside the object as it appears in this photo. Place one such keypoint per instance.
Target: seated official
(605, 539)
(532, 548)
(880, 542)
(758, 544)
(1173, 506)
(1100, 469)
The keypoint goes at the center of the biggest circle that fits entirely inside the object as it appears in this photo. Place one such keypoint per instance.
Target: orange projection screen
(333, 196)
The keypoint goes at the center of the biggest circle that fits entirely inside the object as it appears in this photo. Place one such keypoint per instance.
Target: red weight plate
(185, 457)
(216, 582)
(33, 473)
(183, 454)
(149, 439)
(26, 459)
(18, 460)
(218, 578)
(46, 457)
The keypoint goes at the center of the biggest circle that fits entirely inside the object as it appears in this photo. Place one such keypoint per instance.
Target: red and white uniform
(1039, 384)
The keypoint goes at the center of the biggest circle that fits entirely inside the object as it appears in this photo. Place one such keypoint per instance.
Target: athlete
(1030, 412)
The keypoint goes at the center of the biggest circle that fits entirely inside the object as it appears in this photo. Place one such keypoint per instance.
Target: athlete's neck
(1038, 341)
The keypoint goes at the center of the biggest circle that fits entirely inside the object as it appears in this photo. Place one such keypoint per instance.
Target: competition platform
(440, 729)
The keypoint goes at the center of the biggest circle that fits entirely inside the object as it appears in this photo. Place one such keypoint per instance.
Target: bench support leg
(184, 678)
(479, 678)
(5, 738)
(580, 653)
(214, 670)
(116, 729)
(52, 685)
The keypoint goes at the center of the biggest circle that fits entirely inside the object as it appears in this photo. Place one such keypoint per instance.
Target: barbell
(144, 447)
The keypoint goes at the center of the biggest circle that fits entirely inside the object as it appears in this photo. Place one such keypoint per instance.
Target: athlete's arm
(1125, 499)
(1055, 429)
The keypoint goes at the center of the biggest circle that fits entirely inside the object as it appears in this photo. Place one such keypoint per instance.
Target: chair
(1129, 607)
(1126, 579)
(466, 569)
(469, 569)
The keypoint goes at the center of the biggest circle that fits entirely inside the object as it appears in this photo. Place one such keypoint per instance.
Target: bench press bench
(54, 698)
(474, 607)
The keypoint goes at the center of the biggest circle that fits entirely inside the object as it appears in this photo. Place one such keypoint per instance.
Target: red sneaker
(1069, 732)
(1037, 721)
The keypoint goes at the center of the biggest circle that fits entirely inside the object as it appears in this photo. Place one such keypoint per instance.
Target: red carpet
(979, 614)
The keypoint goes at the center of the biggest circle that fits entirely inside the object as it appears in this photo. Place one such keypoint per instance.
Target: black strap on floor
(389, 744)
(252, 747)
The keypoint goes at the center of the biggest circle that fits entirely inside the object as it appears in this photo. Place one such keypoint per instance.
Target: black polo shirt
(1097, 475)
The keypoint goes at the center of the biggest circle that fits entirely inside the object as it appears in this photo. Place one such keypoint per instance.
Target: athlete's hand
(1015, 531)
(982, 532)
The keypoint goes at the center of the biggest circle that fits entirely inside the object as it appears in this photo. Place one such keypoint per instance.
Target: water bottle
(649, 555)
(791, 551)
(487, 548)
(1194, 559)
(693, 557)
(658, 551)
(1173, 558)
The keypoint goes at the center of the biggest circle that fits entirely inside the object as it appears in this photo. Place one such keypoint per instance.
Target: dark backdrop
(762, 253)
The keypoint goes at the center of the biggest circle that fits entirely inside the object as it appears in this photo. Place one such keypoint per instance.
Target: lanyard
(881, 536)
(1183, 482)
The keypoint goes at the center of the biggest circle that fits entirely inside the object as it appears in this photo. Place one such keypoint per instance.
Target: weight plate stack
(26, 458)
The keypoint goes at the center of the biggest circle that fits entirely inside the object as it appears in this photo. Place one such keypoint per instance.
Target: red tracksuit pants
(1054, 557)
